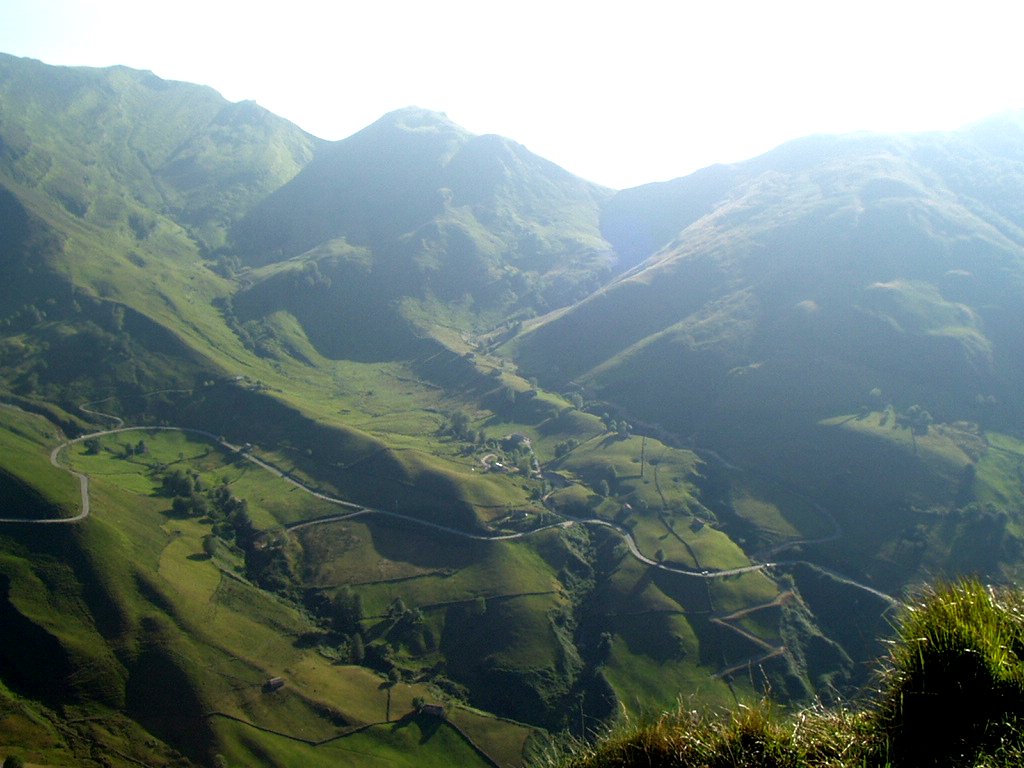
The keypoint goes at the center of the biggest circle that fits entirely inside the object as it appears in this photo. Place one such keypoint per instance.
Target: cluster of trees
(565, 447)
(622, 428)
(981, 538)
(267, 562)
(916, 419)
(93, 447)
(458, 424)
(401, 627)
(409, 629)
(342, 614)
(185, 490)
(266, 559)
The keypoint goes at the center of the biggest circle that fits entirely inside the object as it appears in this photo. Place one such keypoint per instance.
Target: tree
(13, 761)
(357, 650)
(177, 483)
(347, 611)
(660, 555)
(198, 505)
(458, 425)
(92, 446)
(397, 608)
(245, 531)
(210, 545)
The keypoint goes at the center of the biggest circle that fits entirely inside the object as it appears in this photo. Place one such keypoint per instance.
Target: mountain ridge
(655, 434)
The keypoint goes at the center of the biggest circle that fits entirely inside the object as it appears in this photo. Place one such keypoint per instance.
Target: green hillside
(867, 275)
(414, 227)
(418, 420)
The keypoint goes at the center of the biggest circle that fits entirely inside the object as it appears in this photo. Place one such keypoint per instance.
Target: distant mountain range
(792, 285)
(713, 427)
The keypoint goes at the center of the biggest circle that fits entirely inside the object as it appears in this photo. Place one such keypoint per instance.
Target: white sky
(619, 94)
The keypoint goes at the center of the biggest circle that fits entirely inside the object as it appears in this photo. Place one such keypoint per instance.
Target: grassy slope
(367, 430)
(950, 693)
(786, 300)
(168, 611)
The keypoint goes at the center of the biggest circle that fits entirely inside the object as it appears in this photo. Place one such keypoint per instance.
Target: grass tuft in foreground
(953, 687)
(749, 737)
(951, 693)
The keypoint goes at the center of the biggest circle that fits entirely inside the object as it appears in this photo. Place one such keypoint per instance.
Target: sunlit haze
(619, 94)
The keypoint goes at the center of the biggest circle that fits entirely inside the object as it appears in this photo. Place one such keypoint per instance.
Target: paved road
(357, 510)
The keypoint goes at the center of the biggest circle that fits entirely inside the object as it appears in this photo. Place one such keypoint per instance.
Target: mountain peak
(414, 119)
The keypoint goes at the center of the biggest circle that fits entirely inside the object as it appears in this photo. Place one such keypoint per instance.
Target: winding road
(356, 510)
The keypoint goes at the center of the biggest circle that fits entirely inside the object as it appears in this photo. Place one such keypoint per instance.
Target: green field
(183, 611)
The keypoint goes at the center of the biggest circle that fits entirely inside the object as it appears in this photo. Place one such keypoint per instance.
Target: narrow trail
(772, 651)
(747, 635)
(750, 664)
(781, 598)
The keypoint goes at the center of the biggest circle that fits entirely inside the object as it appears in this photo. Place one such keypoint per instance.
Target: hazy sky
(618, 93)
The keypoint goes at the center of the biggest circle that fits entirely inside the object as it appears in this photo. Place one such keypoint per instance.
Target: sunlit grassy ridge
(136, 617)
(501, 613)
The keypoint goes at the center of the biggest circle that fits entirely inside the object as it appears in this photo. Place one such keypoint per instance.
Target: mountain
(418, 418)
(872, 278)
(412, 225)
(133, 296)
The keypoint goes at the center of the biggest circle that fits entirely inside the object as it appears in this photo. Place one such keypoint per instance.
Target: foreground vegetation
(950, 693)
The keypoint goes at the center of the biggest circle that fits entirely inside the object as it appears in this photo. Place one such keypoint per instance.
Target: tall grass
(953, 686)
(950, 693)
(749, 737)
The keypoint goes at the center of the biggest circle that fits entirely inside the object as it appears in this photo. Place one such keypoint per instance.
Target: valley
(414, 447)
